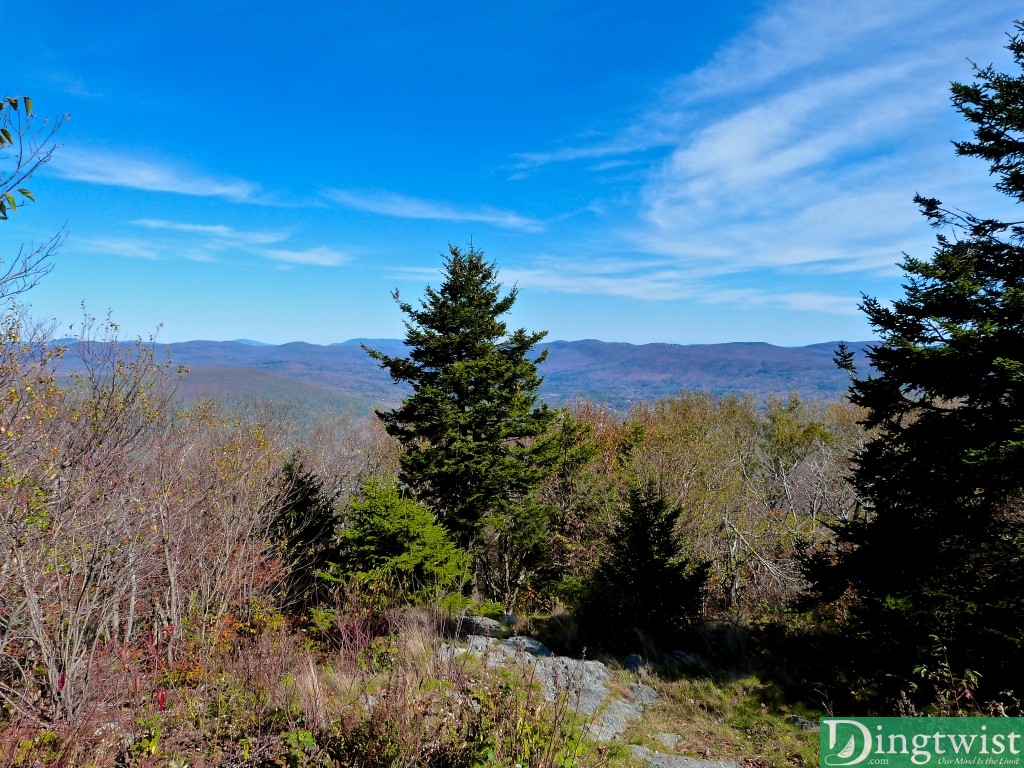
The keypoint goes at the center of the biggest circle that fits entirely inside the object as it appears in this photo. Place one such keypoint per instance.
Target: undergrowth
(360, 690)
(358, 687)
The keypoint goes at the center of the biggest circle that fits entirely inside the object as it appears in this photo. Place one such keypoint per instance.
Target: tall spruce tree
(469, 429)
(933, 572)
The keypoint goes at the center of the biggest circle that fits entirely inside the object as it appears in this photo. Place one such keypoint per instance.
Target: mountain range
(342, 376)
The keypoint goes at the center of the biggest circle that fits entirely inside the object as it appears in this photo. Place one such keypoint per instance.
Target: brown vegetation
(142, 613)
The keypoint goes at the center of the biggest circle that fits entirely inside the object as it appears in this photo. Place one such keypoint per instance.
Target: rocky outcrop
(661, 760)
(583, 685)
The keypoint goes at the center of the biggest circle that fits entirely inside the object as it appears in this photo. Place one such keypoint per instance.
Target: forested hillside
(618, 375)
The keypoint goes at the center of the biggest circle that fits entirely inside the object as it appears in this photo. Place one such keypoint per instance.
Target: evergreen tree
(469, 430)
(936, 560)
(645, 591)
(303, 531)
(391, 543)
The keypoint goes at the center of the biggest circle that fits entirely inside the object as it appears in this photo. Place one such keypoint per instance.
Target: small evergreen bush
(303, 531)
(391, 544)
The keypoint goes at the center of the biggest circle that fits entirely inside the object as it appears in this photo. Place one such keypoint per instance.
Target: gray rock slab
(582, 682)
(644, 695)
(475, 645)
(478, 644)
(612, 721)
(661, 760)
(527, 645)
(668, 740)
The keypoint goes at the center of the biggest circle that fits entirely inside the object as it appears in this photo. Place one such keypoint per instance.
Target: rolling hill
(344, 376)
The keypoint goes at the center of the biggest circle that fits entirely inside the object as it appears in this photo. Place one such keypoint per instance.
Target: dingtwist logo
(856, 742)
(916, 742)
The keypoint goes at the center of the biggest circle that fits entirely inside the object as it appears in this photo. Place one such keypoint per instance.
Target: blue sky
(644, 172)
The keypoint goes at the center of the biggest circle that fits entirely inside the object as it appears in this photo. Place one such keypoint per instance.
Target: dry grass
(728, 718)
(357, 697)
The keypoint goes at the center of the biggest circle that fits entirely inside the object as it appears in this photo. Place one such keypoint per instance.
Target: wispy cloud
(794, 43)
(782, 177)
(654, 128)
(649, 282)
(794, 40)
(126, 247)
(793, 153)
(219, 234)
(403, 207)
(213, 243)
(117, 170)
(805, 301)
(320, 256)
(666, 280)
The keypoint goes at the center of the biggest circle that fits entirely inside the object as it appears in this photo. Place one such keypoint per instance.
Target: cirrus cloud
(214, 243)
(119, 170)
(404, 207)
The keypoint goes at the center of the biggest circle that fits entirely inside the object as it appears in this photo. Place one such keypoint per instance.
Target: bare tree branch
(25, 146)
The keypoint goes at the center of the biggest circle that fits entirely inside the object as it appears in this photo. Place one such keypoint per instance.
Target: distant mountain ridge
(617, 374)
